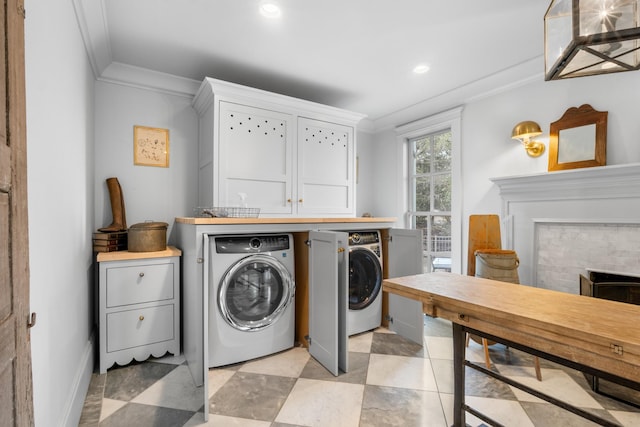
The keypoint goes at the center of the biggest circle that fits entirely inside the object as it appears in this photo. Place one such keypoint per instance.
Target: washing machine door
(365, 278)
(255, 292)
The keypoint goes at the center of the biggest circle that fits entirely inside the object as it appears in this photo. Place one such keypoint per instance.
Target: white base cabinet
(329, 288)
(290, 157)
(138, 305)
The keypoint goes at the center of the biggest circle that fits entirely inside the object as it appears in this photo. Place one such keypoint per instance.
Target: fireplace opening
(616, 287)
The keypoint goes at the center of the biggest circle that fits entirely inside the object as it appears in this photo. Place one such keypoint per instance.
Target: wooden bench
(592, 335)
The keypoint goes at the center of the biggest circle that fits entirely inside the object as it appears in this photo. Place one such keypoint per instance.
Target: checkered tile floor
(391, 382)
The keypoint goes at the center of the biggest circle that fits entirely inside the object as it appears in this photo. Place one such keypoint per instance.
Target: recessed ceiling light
(421, 69)
(270, 10)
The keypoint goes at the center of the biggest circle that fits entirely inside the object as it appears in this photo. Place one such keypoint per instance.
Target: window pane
(441, 243)
(427, 265)
(412, 200)
(442, 152)
(421, 223)
(442, 192)
(423, 194)
(430, 186)
(440, 264)
(441, 233)
(423, 155)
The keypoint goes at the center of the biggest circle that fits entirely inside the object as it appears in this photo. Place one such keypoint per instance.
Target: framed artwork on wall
(578, 139)
(150, 146)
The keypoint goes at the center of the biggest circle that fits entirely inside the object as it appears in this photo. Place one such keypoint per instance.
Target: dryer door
(255, 292)
(365, 277)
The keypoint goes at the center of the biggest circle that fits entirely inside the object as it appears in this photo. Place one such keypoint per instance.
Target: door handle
(32, 321)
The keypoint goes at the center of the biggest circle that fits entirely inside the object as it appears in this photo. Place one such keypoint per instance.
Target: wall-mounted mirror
(578, 139)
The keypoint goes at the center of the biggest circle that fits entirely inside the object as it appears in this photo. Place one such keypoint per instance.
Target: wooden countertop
(595, 332)
(289, 220)
(126, 255)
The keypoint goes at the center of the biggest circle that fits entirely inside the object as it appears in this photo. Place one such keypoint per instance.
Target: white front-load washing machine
(251, 297)
(365, 282)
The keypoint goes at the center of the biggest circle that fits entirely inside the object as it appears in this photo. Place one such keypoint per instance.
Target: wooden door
(16, 405)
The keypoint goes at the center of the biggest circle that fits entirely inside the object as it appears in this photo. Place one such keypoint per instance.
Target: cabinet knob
(288, 200)
(141, 317)
(300, 200)
(141, 274)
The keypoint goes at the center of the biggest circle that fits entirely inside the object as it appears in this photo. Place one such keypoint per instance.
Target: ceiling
(352, 54)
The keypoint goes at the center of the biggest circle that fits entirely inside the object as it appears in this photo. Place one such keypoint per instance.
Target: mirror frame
(576, 117)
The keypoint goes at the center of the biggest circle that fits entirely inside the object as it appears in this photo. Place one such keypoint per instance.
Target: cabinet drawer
(125, 329)
(139, 283)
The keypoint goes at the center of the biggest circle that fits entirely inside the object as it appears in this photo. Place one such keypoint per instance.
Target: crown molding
(521, 74)
(220, 89)
(92, 22)
(143, 78)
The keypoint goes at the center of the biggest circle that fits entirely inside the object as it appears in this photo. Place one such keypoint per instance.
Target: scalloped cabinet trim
(139, 306)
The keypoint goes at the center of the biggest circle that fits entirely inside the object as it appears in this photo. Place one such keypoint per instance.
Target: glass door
(365, 278)
(254, 292)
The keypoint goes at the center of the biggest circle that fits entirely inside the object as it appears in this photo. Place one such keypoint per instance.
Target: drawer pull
(141, 317)
(141, 274)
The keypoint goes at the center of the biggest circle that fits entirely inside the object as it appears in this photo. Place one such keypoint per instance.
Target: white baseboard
(73, 406)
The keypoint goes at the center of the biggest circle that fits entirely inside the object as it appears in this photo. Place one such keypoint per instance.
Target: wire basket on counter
(226, 212)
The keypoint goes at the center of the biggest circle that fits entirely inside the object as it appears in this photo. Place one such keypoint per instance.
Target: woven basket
(497, 264)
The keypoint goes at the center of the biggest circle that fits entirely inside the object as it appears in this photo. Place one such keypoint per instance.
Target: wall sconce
(523, 132)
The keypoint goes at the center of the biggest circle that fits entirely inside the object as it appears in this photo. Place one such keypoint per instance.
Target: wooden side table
(138, 305)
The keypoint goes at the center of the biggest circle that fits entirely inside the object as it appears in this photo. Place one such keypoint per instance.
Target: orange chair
(484, 234)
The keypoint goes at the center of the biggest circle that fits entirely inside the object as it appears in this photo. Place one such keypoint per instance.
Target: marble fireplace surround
(561, 223)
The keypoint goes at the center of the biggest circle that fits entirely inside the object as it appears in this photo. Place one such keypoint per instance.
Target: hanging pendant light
(588, 37)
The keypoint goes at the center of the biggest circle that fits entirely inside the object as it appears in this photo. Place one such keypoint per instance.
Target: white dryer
(365, 282)
(251, 297)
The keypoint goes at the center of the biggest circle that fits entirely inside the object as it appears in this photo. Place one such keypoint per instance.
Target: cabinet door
(256, 158)
(326, 166)
(203, 339)
(328, 299)
(405, 259)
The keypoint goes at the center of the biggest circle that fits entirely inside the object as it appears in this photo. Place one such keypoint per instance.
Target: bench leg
(459, 338)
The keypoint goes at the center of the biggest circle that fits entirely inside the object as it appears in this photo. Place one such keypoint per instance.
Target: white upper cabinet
(325, 168)
(290, 157)
(256, 158)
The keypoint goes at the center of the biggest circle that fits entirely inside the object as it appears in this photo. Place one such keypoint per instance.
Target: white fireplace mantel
(598, 182)
(596, 196)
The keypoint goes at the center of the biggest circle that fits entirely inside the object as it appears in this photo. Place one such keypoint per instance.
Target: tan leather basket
(148, 237)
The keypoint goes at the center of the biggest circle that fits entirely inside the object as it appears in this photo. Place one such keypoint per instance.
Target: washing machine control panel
(252, 244)
(363, 238)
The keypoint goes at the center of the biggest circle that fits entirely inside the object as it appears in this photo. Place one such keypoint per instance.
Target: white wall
(388, 200)
(365, 172)
(59, 89)
(488, 150)
(150, 193)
